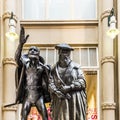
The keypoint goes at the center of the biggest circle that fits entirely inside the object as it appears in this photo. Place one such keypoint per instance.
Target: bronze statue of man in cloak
(31, 79)
(67, 87)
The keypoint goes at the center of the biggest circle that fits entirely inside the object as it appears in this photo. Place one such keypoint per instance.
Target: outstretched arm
(22, 41)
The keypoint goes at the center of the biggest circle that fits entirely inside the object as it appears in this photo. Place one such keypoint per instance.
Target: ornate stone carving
(105, 14)
(9, 61)
(11, 108)
(108, 59)
(7, 15)
(106, 106)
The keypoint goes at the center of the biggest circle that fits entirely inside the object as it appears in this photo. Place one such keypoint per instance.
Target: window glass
(76, 55)
(50, 56)
(57, 56)
(43, 53)
(84, 9)
(92, 56)
(34, 114)
(91, 82)
(88, 57)
(34, 9)
(59, 9)
(84, 56)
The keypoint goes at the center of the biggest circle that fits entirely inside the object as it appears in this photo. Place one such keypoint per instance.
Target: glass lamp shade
(113, 31)
(11, 34)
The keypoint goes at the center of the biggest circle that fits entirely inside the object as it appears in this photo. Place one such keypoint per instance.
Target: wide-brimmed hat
(63, 46)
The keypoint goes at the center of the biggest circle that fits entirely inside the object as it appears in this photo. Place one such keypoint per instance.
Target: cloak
(75, 107)
(20, 79)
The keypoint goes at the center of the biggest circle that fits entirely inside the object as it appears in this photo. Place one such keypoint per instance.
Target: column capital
(12, 108)
(108, 59)
(9, 61)
(108, 105)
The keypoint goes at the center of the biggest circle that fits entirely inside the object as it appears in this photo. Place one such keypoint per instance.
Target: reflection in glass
(91, 81)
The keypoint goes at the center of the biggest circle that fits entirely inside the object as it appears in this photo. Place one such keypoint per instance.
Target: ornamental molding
(108, 59)
(9, 61)
(105, 14)
(7, 15)
(109, 106)
(11, 108)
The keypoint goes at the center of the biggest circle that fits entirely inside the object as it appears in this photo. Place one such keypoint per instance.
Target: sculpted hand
(23, 39)
(60, 94)
(65, 89)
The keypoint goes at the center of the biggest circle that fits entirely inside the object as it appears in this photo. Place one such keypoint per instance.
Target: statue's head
(33, 53)
(64, 51)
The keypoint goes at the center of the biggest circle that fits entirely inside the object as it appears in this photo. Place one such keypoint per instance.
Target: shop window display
(35, 115)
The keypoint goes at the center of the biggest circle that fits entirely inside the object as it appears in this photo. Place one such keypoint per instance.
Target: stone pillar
(9, 113)
(118, 23)
(107, 65)
(1, 50)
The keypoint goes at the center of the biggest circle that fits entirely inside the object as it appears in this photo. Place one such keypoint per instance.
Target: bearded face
(33, 53)
(64, 57)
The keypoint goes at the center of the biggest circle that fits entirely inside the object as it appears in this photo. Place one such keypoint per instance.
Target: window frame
(86, 68)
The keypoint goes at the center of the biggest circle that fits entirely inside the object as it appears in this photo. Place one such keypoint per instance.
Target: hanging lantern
(113, 31)
(11, 34)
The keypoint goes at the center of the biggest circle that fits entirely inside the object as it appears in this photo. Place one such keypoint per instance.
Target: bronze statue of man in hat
(67, 87)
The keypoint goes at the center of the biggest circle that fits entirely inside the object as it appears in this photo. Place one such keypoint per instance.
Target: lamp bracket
(110, 15)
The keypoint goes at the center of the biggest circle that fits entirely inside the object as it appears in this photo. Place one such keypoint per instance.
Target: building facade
(83, 25)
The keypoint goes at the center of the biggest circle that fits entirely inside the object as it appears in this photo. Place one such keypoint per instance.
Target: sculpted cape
(20, 80)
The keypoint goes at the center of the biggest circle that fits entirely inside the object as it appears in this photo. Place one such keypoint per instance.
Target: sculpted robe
(75, 107)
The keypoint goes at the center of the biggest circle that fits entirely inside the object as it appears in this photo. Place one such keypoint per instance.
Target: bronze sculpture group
(64, 84)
